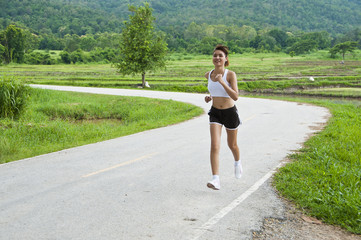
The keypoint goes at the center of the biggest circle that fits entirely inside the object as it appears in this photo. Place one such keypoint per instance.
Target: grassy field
(334, 92)
(58, 120)
(256, 72)
(324, 179)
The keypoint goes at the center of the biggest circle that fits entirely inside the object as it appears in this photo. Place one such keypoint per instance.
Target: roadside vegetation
(13, 97)
(54, 120)
(324, 178)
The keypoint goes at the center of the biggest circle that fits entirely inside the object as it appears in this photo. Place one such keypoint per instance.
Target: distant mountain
(90, 16)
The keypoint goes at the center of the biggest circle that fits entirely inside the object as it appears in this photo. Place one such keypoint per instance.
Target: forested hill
(90, 16)
(334, 16)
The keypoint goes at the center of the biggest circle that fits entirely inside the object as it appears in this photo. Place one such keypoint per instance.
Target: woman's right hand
(218, 78)
(208, 99)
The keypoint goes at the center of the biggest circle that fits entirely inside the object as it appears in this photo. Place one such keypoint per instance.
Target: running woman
(223, 89)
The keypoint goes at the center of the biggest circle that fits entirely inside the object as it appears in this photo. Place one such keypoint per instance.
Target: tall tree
(280, 36)
(2, 50)
(343, 48)
(13, 40)
(142, 49)
(303, 46)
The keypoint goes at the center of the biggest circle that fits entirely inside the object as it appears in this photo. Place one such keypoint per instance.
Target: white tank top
(215, 88)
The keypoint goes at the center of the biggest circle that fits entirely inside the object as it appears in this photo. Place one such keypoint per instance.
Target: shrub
(78, 56)
(65, 57)
(39, 58)
(13, 96)
(106, 54)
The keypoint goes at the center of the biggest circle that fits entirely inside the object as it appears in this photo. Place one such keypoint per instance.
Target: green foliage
(322, 39)
(2, 51)
(141, 48)
(343, 48)
(97, 55)
(303, 46)
(13, 41)
(50, 42)
(64, 17)
(91, 24)
(89, 17)
(206, 45)
(65, 57)
(353, 35)
(72, 43)
(78, 56)
(104, 55)
(87, 43)
(32, 41)
(13, 97)
(267, 43)
(324, 178)
(280, 36)
(38, 58)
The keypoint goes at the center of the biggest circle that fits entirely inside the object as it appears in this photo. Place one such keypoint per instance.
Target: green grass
(256, 72)
(59, 120)
(324, 179)
(13, 97)
(331, 92)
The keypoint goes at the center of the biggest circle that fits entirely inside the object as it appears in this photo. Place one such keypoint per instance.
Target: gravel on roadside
(295, 225)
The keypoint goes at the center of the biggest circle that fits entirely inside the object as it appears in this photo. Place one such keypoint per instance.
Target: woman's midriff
(222, 102)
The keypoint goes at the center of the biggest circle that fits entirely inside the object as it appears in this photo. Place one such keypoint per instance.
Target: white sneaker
(214, 184)
(238, 171)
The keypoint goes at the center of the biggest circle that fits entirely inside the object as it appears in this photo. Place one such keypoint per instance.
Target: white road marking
(212, 221)
(250, 118)
(120, 165)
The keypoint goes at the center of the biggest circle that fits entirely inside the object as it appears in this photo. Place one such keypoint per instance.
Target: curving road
(152, 185)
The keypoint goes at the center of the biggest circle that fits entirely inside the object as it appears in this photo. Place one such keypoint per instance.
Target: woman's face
(219, 58)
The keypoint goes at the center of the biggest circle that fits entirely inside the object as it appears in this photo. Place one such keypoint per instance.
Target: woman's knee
(215, 147)
(233, 146)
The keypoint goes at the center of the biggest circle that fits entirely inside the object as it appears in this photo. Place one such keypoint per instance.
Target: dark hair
(223, 49)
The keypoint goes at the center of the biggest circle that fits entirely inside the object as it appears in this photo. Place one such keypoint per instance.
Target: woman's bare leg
(232, 143)
(216, 131)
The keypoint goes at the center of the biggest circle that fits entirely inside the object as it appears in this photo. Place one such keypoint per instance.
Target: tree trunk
(143, 80)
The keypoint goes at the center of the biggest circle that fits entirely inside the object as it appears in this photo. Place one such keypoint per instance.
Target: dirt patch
(297, 226)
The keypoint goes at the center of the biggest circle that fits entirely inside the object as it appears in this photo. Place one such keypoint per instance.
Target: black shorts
(228, 117)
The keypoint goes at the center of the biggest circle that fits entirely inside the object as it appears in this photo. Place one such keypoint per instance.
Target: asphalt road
(152, 185)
